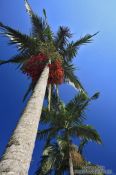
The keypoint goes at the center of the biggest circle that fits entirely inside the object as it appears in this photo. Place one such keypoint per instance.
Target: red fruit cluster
(56, 74)
(36, 64)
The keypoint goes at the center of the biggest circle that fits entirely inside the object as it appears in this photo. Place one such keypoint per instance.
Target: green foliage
(38, 27)
(95, 96)
(69, 118)
(79, 103)
(54, 158)
(84, 40)
(61, 38)
(70, 77)
(18, 59)
(71, 50)
(82, 144)
(23, 41)
(66, 122)
(87, 132)
(42, 39)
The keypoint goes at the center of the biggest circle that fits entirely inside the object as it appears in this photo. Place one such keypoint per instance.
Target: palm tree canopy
(55, 157)
(69, 119)
(42, 40)
(65, 123)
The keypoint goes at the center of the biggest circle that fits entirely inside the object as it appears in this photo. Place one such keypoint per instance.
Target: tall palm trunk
(17, 158)
(71, 165)
(49, 93)
(49, 96)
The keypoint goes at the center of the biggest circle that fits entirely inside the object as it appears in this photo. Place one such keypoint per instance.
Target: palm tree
(41, 41)
(55, 158)
(64, 124)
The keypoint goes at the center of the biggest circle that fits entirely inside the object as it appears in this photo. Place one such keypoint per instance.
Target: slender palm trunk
(49, 96)
(17, 158)
(57, 92)
(49, 93)
(71, 165)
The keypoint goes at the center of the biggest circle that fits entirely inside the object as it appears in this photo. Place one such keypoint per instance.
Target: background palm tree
(66, 123)
(55, 158)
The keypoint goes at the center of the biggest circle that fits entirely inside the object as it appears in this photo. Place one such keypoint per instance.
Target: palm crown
(64, 124)
(43, 41)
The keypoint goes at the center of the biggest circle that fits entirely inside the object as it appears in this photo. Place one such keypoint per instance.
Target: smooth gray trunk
(71, 165)
(49, 96)
(18, 155)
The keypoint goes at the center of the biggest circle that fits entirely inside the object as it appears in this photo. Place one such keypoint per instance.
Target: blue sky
(96, 64)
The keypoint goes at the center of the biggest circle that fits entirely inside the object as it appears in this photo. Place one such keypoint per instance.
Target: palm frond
(43, 134)
(45, 15)
(84, 40)
(23, 41)
(56, 103)
(62, 142)
(54, 158)
(61, 38)
(38, 27)
(48, 116)
(77, 158)
(38, 24)
(87, 102)
(17, 59)
(88, 132)
(71, 78)
(45, 166)
(82, 145)
(69, 52)
(28, 8)
(77, 101)
(76, 107)
(95, 96)
(72, 48)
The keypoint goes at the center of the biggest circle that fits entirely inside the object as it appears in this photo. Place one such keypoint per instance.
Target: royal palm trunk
(17, 158)
(71, 165)
(49, 96)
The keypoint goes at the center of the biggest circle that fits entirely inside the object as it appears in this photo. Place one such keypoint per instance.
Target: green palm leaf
(84, 40)
(69, 52)
(38, 24)
(43, 134)
(82, 145)
(79, 103)
(62, 36)
(23, 41)
(53, 158)
(28, 8)
(88, 132)
(72, 48)
(17, 59)
(71, 78)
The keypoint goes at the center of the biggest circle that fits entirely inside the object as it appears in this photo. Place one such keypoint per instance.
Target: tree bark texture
(18, 154)
(71, 165)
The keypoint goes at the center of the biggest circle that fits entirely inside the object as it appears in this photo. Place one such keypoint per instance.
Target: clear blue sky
(96, 64)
